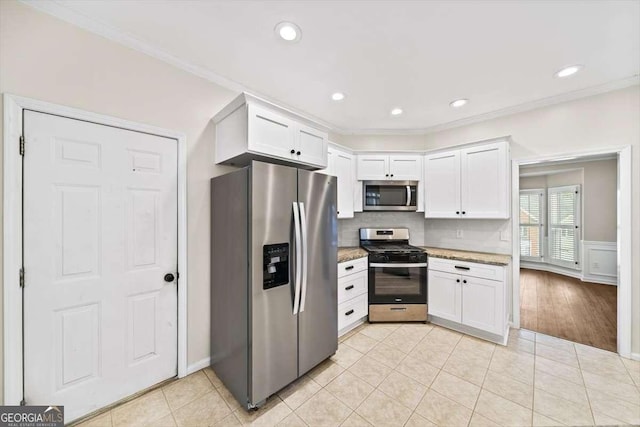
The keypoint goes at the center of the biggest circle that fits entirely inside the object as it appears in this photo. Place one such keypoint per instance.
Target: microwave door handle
(305, 256)
(408, 195)
(298, 263)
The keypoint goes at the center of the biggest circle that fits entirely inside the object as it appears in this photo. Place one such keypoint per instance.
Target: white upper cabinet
(378, 167)
(485, 181)
(341, 164)
(311, 144)
(405, 168)
(372, 167)
(442, 185)
(270, 133)
(471, 182)
(252, 129)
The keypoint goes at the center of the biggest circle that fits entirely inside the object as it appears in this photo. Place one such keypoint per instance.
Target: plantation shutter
(564, 226)
(531, 224)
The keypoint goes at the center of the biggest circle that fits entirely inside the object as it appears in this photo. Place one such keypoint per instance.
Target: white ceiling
(417, 55)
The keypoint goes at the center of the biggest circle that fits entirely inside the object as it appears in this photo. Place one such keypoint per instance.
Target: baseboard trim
(200, 364)
(352, 326)
(498, 339)
(601, 280)
(635, 356)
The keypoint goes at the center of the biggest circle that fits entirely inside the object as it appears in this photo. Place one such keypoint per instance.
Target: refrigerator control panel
(275, 265)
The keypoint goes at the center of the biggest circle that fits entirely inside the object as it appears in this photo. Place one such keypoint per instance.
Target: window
(531, 224)
(564, 226)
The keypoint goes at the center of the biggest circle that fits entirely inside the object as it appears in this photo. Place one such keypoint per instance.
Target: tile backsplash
(481, 235)
(348, 228)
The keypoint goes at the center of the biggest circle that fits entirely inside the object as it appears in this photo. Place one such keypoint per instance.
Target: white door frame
(623, 238)
(12, 226)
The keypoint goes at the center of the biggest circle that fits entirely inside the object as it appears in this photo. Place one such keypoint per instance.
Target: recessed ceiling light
(396, 111)
(458, 103)
(338, 96)
(288, 31)
(569, 71)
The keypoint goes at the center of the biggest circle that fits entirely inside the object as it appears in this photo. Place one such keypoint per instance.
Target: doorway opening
(571, 231)
(568, 261)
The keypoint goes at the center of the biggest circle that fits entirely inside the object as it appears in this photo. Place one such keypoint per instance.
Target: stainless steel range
(397, 276)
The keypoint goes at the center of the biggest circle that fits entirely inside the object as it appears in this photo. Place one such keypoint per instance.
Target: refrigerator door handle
(305, 256)
(298, 262)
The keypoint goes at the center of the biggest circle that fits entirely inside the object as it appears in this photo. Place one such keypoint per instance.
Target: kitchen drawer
(351, 311)
(353, 266)
(352, 285)
(473, 269)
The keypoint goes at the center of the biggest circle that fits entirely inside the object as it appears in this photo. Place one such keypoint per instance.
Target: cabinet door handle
(464, 281)
(398, 308)
(349, 313)
(457, 212)
(391, 174)
(464, 213)
(386, 174)
(460, 267)
(293, 151)
(348, 288)
(349, 267)
(457, 280)
(298, 153)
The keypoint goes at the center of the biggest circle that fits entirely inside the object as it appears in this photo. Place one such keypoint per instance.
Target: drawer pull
(348, 288)
(349, 313)
(398, 308)
(349, 268)
(459, 267)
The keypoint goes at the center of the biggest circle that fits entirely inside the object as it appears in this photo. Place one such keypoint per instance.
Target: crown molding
(58, 10)
(117, 35)
(520, 108)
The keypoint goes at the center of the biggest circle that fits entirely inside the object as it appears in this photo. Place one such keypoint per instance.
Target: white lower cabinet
(469, 294)
(353, 306)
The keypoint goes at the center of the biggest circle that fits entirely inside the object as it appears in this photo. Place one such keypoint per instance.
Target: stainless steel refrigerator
(273, 277)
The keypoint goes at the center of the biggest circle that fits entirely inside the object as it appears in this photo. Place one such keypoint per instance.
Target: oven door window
(398, 284)
(390, 195)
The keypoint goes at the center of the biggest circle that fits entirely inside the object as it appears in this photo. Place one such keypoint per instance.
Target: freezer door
(318, 318)
(273, 334)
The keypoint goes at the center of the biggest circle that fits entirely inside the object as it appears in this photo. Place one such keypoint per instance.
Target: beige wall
(47, 59)
(608, 120)
(599, 181)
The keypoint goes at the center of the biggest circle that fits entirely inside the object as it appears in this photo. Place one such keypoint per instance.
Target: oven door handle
(399, 265)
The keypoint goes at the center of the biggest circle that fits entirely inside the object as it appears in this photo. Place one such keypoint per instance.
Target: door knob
(169, 277)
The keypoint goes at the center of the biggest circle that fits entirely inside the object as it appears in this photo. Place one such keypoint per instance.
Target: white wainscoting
(600, 262)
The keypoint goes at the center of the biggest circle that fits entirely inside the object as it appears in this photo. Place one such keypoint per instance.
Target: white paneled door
(100, 234)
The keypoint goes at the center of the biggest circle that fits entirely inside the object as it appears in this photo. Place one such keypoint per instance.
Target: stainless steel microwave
(390, 195)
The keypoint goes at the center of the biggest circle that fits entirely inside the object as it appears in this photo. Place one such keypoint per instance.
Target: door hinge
(22, 277)
(21, 145)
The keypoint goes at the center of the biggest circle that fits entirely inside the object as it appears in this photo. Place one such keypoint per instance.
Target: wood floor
(568, 308)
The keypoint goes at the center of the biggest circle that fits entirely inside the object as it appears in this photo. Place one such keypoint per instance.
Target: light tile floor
(416, 375)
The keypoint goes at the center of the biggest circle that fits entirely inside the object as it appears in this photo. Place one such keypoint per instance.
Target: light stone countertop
(349, 253)
(481, 257)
